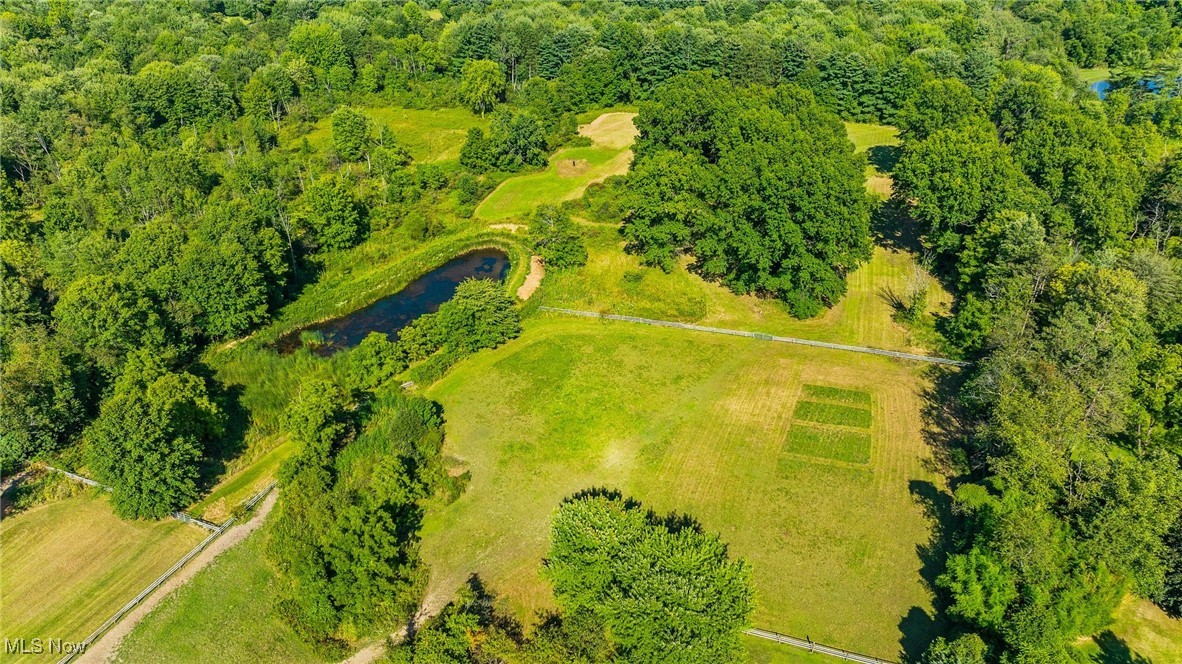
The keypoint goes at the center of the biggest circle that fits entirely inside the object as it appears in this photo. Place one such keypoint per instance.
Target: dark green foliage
(149, 437)
(344, 538)
(514, 141)
(664, 590)
(556, 238)
(225, 287)
(43, 400)
(965, 649)
(350, 133)
(375, 360)
(763, 189)
(331, 216)
(105, 319)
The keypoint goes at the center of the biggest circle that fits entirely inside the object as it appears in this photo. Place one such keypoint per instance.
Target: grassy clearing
(569, 172)
(865, 136)
(615, 282)
(225, 609)
(1094, 75)
(694, 423)
(1141, 634)
(837, 395)
(239, 487)
(881, 145)
(831, 413)
(763, 651)
(430, 136)
(68, 565)
(823, 443)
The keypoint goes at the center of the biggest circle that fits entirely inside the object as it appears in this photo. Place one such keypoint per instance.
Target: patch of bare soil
(512, 228)
(569, 168)
(533, 279)
(107, 646)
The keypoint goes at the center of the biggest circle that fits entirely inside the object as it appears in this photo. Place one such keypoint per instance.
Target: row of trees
(1052, 221)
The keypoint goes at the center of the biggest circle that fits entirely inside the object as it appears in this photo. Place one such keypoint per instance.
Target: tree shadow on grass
(1113, 650)
(892, 227)
(945, 434)
(884, 157)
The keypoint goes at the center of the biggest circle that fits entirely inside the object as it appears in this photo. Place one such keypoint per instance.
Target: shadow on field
(884, 157)
(1113, 650)
(891, 227)
(944, 433)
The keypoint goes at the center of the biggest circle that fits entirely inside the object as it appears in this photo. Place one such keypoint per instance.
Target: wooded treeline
(161, 191)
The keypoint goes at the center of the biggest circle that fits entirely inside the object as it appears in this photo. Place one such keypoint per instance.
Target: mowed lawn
(67, 566)
(223, 614)
(615, 282)
(429, 135)
(569, 172)
(699, 424)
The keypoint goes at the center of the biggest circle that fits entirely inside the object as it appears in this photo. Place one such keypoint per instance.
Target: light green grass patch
(615, 282)
(1094, 75)
(225, 613)
(865, 136)
(565, 178)
(826, 443)
(429, 135)
(69, 565)
(831, 413)
(837, 395)
(694, 423)
(1141, 634)
(245, 484)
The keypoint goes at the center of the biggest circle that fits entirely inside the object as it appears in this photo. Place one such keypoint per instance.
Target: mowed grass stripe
(831, 413)
(695, 424)
(837, 395)
(827, 443)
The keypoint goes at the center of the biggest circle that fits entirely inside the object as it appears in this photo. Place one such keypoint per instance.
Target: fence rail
(820, 648)
(760, 335)
(179, 516)
(110, 622)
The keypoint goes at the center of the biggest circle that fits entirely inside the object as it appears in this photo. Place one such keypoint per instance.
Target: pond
(390, 314)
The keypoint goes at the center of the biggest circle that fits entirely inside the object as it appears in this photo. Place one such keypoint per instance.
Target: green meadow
(699, 424)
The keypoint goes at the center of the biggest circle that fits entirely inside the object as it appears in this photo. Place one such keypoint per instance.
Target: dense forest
(159, 194)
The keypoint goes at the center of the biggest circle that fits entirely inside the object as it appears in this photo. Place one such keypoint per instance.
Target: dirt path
(105, 649)
(10, 483)
(374, 651)
(533, 279)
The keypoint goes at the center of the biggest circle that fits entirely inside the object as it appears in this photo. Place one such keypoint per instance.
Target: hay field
(67, 566)
(699, 424)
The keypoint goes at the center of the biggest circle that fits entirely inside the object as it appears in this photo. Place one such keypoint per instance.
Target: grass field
(615, 282)
(1141, 634)
(430, 136)
(695, 423)
(225, 609)
(239, 487)
(69, 565)
(569, 172)
(880, 142)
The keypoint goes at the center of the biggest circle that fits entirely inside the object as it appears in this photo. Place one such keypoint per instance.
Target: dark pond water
(390, 314)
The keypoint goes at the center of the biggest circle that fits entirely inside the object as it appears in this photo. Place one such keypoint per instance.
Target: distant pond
(392, 313)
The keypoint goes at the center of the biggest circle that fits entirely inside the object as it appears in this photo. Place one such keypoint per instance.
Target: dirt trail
(533, 279)
(105, 649)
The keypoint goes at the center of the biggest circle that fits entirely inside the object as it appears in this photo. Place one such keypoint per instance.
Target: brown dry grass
(613, 130)
(68, 565)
